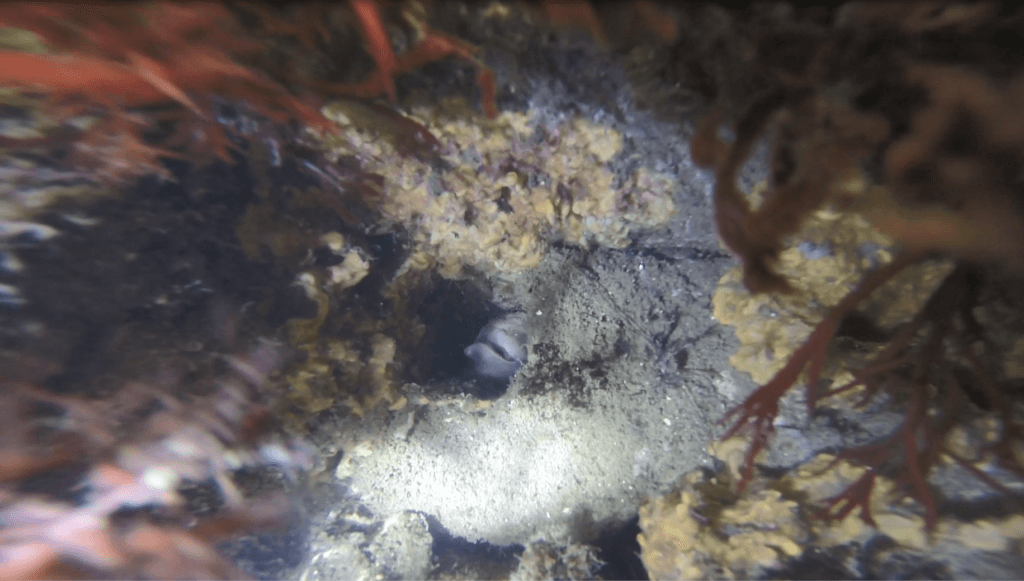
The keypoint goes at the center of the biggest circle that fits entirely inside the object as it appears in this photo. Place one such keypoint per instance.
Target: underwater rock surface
(600, 416)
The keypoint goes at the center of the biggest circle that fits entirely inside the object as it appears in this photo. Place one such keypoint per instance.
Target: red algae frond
(933, 151)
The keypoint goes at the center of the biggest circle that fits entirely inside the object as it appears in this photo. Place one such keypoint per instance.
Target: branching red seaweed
(179, 60)
(871, 93)
(761, 407)
(110, 59)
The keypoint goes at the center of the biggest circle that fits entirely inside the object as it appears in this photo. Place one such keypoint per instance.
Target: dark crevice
(451, 555)
(620, 551)
(454, 312)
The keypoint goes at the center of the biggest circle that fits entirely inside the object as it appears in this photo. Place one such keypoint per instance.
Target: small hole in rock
(453, 313)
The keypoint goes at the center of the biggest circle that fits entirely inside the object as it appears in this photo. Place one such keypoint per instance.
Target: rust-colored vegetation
(111, 61)
(138, 67)
(95, 488)
(921, 103)
(918, 105)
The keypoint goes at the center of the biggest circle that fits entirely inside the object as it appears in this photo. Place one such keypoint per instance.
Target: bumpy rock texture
(371, 257)
(606, 411)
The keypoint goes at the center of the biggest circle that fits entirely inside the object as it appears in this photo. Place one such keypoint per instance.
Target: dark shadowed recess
(453, 313)
(451, 555)
(620, 551)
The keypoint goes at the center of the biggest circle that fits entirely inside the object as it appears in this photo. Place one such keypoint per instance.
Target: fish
(500, 347)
